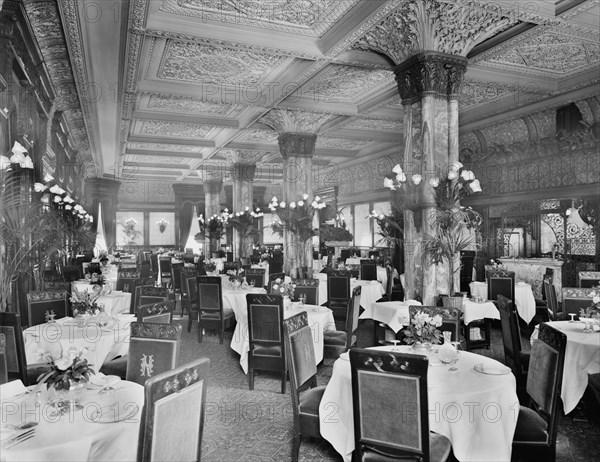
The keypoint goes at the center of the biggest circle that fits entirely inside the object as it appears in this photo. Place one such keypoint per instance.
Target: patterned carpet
(244, 425)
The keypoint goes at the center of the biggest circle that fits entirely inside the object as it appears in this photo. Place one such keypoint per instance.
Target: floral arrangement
(391, 227)
(243, 221)
(130, 231)
(284, 288)
(235, 274)
(592, 311)
(73, 367)
(162, 225)
(423, 328)
(214, 227)
(265, 257)
(296, 217)
(95, 279)
(84, 302)
(210, 265)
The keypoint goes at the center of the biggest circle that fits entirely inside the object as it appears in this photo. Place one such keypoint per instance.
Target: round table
(103, 342)
(477, 412)
(582, 357)
(524, 299)
(78, 435)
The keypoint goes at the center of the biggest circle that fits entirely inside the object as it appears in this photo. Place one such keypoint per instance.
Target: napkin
(10, 389)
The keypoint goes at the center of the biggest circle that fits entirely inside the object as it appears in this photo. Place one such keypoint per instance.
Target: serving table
(476, 411)
(582, 357)
(320, 319)
(104, 342)
(104, 430)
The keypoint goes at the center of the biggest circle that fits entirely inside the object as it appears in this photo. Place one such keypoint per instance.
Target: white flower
(68, 207)
(314, 204)
(387, 183)
(596, 299)
(18, 148)
(91, 218)
(282, 204)
(381, 216)
(246, 208)
(300, 203)
(322, 205)
(475, 186)
(4, 162)
(456, 166)
(278, 280)
(397, 169)
(55, 189)
(292, 205)
(17, 158)
(282, 289)
(317, 198)
(416, 178)
(452, 175)
(27, 163)
(305, 196)
(467, 175)
(39, 187)
(434, 182)
(274, 199)
(437, 320)
(57, 199)
(63, 364)
(401, 177)
(48, 178)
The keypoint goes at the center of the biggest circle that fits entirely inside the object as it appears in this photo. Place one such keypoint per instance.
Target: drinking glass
(572, 317)
(396, 343)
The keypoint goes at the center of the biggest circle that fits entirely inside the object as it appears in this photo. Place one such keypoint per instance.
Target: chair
(3, 367)
(145, 269)
(265, 334)
(190, 299)
(150, 294)
(274, 276)
(300, 353)
(42, 304)
(153, 349)
(14, 353)
(535, 435)
(164, 269)
(450, 317)
(276, 264)
(176, 269)
(154, 264)
(589, 279)
(257, 275)
(554, 311)
(156, 313)
(308, 287)
(135, 291)
(391, 420)
(167, 399)
(211, 310)
(368, 271)
(338, 292)
(576, 298)
(126, 279)
(500, 282)
(516, 359)
(337, 342)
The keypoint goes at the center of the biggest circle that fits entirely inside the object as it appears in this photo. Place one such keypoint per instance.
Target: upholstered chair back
(308, 287)
(156, 313)
(41, 304)
(500, 282)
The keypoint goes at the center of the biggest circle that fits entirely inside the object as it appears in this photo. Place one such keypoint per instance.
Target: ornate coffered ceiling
(189, 82)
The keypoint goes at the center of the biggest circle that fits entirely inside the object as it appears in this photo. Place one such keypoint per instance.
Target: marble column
(213, 187)
(105, 191)
(242, 174)
(428, 84)
(297, 150)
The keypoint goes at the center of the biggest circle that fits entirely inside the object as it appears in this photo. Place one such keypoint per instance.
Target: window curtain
(188, 212)
(100, 244)
(193, 229)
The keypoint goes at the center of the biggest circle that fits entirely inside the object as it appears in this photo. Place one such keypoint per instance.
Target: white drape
(194, 229)
(100, 245)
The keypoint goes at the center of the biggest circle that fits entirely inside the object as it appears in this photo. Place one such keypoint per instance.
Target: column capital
(430, 72)
(242, 171)
(213, 185)
(297, 144)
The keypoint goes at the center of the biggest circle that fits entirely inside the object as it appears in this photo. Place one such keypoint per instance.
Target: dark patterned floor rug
(257, 425)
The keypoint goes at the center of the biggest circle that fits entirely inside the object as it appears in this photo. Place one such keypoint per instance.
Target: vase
(66, 401)
(422, 346)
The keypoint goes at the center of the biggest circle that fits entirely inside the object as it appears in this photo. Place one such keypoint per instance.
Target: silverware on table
(11, 442)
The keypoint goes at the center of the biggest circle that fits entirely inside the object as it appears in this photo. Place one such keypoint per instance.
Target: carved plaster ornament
(242, 156)
(288, 121)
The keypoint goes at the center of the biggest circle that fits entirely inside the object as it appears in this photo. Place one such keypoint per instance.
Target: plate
(491, 370)
(115, 413)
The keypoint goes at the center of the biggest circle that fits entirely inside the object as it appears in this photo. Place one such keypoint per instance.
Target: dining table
(104, 337)
(105, 428)
(524, 299)
(320, 319)
(582, 357)
(395, 313)
(475, 407)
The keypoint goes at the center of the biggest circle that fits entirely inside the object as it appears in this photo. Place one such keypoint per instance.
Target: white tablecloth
(352, 261)
(370, 293)
(103, 343)
(115, 303)
(236, 300)
(395, 314)
(477, 412)
(473, 311)
(320, 319)
(582, 357)
(524, 298)
(82, 285)
(77, 436)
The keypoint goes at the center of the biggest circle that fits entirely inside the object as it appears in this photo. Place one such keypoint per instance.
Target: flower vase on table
(422, 346)
(422, 331)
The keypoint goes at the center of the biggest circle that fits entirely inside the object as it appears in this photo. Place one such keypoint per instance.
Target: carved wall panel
(341, 143)
(146, 191)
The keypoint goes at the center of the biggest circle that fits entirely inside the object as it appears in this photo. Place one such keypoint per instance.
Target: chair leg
(283, 382)
(296, 446)
(251, 379)
(190, 320)
(200, 327)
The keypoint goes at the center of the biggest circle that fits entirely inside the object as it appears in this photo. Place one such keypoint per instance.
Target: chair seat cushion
(310, 400)
(335, 337)
(439, 450)
(208, 315)
(267, 351)
(530, 426)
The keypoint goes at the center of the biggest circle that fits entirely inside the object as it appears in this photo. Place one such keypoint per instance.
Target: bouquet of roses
(283, 288)
(423, 328)
(84, 302)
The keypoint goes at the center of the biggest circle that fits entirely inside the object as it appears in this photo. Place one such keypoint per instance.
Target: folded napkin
(10, 389)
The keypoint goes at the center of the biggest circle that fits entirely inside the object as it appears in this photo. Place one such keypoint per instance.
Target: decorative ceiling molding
(242, 156)
(311, 18)
(165, 147)
(184, 104)
(384, 125)
(418, 26)
(342, 143)
(257, 136)
(283, 120)
(174, 129)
